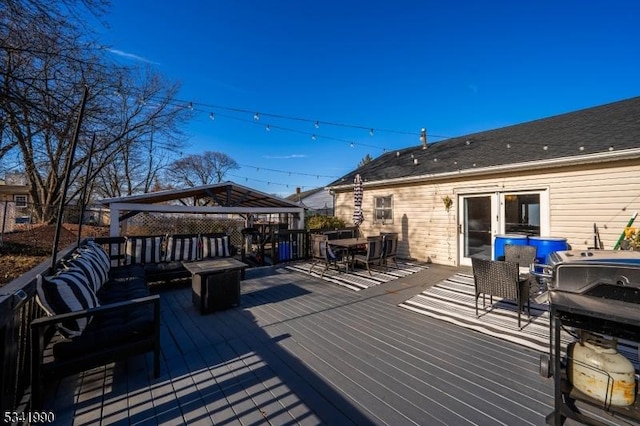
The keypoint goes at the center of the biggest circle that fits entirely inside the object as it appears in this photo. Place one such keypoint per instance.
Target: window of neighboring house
(383, 209)
(20, 200)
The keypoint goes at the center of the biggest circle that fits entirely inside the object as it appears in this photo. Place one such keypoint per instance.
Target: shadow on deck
(302, 351)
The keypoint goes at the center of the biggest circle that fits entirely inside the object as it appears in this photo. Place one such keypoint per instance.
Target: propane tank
(599, 371)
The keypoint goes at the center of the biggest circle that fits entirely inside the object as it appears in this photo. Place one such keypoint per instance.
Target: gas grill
(589, 291)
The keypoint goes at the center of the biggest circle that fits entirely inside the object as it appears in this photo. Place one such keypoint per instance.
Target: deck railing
(18, 308)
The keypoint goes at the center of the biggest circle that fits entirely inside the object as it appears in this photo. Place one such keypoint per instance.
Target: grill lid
(609, 274)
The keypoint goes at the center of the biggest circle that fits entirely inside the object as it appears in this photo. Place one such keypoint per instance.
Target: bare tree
(132, 114)
(200, 169)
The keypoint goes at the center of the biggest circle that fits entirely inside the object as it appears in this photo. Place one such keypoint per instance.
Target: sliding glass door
(483, 216)
(476, 228)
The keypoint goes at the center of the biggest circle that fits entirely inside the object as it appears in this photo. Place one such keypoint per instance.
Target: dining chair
(501, 279)
(373, 253)
(389, 248)
(321, 253)
(524, 256)
(345, 233)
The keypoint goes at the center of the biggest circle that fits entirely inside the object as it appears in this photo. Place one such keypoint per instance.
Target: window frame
(21, 201)
(383, 214)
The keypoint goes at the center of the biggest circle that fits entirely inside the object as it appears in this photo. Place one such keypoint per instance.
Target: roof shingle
(613, 126)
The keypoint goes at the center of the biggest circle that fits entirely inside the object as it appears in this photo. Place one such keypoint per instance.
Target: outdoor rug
(360, 278)
(452, 300)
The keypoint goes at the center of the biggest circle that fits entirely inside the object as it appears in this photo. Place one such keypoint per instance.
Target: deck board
(303, 351)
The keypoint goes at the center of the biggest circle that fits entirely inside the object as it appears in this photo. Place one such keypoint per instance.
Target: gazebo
(221, 198)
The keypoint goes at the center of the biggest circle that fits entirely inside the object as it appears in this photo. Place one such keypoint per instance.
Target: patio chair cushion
(215, 247)
(181, 248)
(67, 291)
(143, 250)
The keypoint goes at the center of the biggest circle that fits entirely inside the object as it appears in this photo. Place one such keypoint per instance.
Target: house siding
(606, 194)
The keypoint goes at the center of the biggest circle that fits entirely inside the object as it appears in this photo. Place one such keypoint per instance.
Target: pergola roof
(225, 194)
(225, 198)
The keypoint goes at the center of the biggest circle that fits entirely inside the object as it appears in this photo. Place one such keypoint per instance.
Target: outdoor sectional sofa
(98, 304)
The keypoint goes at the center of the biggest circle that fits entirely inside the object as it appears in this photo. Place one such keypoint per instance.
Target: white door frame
(490, 226)
(497, 215)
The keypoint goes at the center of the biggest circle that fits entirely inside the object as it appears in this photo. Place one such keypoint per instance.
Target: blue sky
(453, 67)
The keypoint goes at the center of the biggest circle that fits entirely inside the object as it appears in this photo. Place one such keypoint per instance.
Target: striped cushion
(94, 275)
(93, 256)
(181, 248)
(101, 253)
(142, 250)
(67, 291)
(215, 247)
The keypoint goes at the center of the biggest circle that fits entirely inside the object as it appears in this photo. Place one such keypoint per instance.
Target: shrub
(324, 222)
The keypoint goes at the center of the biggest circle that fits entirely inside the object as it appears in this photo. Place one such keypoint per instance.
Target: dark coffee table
(215, 283)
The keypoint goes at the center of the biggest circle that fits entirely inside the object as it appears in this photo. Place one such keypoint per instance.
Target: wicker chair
(373, 254)
(501, 279)
(389, 248)
(524, 256)
(321, 253)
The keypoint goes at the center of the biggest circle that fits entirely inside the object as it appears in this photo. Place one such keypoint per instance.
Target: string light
(288, 172)
(286, 185)
(314, 137)
(371, 132)
(267, 128)
(315, 122)
(212, 116)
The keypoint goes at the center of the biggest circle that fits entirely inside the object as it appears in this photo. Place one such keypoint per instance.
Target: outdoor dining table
(349, 244)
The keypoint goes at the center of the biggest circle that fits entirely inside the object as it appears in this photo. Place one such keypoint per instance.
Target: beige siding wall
(578, 198)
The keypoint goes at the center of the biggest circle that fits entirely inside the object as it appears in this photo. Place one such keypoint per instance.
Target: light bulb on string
(316, 124)
(212, 116)
(256, 116)
(371, 131)
(351, 144)
(190, 106)
(267, 128)
(314, 137)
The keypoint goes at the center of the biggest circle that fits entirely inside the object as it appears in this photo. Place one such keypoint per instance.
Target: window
(20, 200)
(383, 209)
(522, 213)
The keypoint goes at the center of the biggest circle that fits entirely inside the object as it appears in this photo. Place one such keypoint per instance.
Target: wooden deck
(303, 351)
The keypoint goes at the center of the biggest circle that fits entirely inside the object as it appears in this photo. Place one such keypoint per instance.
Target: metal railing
(18, 308)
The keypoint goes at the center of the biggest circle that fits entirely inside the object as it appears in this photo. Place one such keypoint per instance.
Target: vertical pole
(84, 189)
(4, 220)
(67, 172)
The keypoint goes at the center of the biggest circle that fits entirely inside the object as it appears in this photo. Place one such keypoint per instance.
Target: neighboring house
(553, 177)
(317, 201)
(14, 201)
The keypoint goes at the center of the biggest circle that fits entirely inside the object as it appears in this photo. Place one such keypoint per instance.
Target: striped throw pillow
(67, 291)
(97, 262)
(101, 253)
(142, 250)
(93, 273)
(181, 248)
(215, 247)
